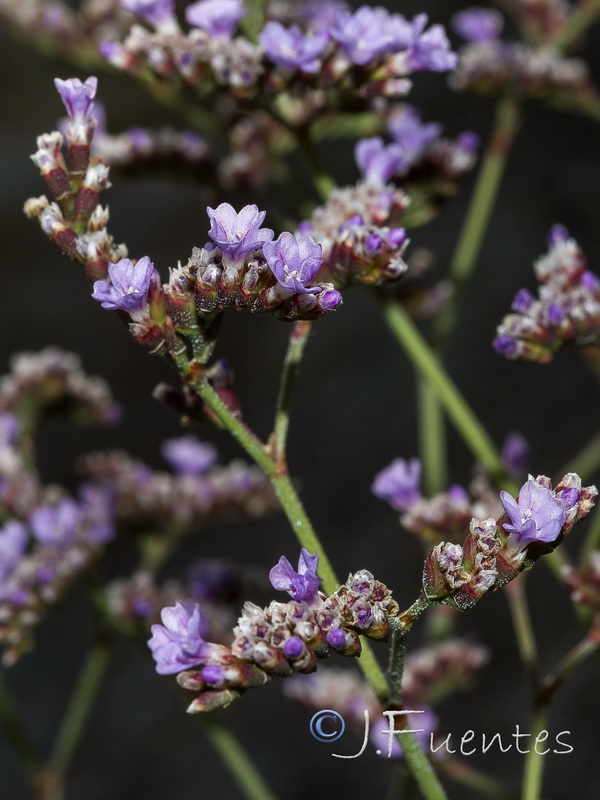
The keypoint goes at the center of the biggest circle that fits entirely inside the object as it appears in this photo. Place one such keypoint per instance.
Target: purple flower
(478, 24)
(557, 235)
(411, 134)
(516, 455)
(77, 97)
(178, 643)
(10, 426)
(537, 516)
(13, 541)
(378, 162)
(128, 287)
(399, 484)
(98, 508)
(430, 49)
(302, 585)
(187, 455)
(505, 345)
(56, 524)
(423, 724)
(237, 233)
(294, 260)
(523, 301)
(369, 33)
(219, 18)
(291, 48)
(158, 13)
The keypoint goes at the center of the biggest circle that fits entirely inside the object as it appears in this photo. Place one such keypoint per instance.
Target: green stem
(579, 19)
(455, 405)
(396, 665)
(298, 339)
(588, 645)
(521, 618)
(432, 440)
(463, 773)
(80, 705)
(421, 769)
(476, 222)
(245, 773)
(534, 763)
(16, 732)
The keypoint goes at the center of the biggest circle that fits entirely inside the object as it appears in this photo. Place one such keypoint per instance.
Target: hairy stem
(245, 773)
(396, 664)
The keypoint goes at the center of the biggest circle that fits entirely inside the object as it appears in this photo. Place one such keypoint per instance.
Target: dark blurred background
(354, 411)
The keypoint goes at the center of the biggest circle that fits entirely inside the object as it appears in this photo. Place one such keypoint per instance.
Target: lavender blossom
(238, 233)
(537, 515)
(321, 15)
(13, 541)
(291, 48)
(128, 287)
(302, 585)
(56, 524)
(378, 162)
(478, 24)
(369, 33)
(410, 134)
(294, 261)
(399, 483)
(158, 13)
(430, 50)
(78, 97)
(178, 643)
(187, 455)
(218, 18)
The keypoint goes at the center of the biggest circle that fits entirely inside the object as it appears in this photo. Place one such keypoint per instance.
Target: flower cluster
(533, 69)
(278, 640)
(496, 550)
(565, 312)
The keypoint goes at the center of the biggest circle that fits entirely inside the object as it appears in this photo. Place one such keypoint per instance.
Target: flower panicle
(495, 551)
(279, 640)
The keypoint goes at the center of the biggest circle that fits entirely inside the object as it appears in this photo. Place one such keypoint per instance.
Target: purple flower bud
(302, 585)
(13, 541)
(291, 48)
(523, 301)
(78, 97)
(590, 282)
(294, 261)
(178, 643)
(468, 141)
(478, 24)
(396, 237)
(569, 497)
(376, 161)
(555, 314)
(158, 13)
(557, 235)
(330, 299)
(458, 494)
(237, 234)
(412, 136)
(430, 49)
(219, 18)
(213, 673)
(505, 346)
(356, 220)
(399, 483)
(56, 524)
(516, 455)
(187, 455)
(337, 638)
(373, 243)
(536, 516)
(128, 287)
(293, 647)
